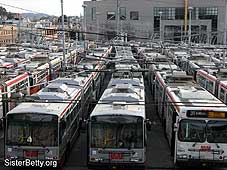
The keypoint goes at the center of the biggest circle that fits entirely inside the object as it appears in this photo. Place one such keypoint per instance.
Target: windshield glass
(217, 131)
(192, 130)
(32, 130)
(117, 132)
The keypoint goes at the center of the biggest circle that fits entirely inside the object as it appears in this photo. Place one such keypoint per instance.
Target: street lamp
(190, 25)
(160, 26)
(85, 25)
(63, 35)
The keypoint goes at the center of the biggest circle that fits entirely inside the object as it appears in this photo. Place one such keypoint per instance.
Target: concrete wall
(145, 25)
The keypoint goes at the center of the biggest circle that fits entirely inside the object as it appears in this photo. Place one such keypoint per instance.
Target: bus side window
(222, 94)
(62, 130)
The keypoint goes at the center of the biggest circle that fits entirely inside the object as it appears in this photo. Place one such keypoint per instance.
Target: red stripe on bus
(17, 79)
(160, 80)
(173, 101)
(223, 85)
(79, 92)
(210, 77)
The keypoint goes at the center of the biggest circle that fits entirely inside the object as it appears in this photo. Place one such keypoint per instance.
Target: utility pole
(225, 26)
(190, 26)
(85, 26)
(12, 33)
(117, 18)
(98, 30)
(63, 35)
(19, 30)
(31, 38)
(160, 26)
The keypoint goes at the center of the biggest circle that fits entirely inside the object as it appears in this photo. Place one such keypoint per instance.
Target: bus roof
(39, 108)
(121, 99)
(194, 97)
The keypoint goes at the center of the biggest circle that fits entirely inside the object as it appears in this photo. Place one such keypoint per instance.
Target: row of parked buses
(193, 119)
(46, 125)
(117, 125)
(30, 76)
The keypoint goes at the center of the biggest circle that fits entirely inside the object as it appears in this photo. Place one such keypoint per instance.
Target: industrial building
(142, 19)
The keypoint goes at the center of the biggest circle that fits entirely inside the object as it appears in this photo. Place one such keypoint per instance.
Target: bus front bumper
(201, 163)
(133, 166)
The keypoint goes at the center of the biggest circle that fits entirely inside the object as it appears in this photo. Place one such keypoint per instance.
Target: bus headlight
(9, 149)
(182, 156)
(134, 159)
(98, 159)
(94, 152)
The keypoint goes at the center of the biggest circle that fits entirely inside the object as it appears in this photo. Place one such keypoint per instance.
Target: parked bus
(195, 125)
(116, 127)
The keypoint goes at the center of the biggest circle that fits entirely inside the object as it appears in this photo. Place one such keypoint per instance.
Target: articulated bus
(116, 127)
(195, 125)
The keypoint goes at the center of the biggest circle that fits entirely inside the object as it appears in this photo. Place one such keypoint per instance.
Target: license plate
(116, 156)
(31, 154)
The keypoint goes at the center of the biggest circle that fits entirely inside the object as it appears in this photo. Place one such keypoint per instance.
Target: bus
(117, 127)
(195, 125)
(46, 126)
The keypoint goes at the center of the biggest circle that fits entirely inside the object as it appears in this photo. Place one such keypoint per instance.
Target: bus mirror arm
(175, 127)
(83, 124)
(148, 124)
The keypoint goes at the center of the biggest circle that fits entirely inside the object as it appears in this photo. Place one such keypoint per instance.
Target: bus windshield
(117, 132)
(192, 130)
(217, 131)
(32, 130)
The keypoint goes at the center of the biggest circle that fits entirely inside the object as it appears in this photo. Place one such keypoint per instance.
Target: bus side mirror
(148, 124)
(175, 127)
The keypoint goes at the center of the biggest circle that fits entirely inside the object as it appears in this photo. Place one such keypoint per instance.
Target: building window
(122, 13)
(93, 13)
(111, 15)
(179, 13)
(134, 15)
(211, 14)
(167, 13)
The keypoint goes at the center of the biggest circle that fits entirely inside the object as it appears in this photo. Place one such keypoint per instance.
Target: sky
(51, 7)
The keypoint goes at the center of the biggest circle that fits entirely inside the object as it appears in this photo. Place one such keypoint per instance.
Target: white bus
(196, 126)
(116, 127)
(46, 128)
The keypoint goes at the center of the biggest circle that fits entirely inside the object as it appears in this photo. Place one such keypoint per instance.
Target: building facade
(8, 35)
(149, 19)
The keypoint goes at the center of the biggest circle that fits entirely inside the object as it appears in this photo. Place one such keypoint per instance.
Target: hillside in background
(32, 16)
(4, 13)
